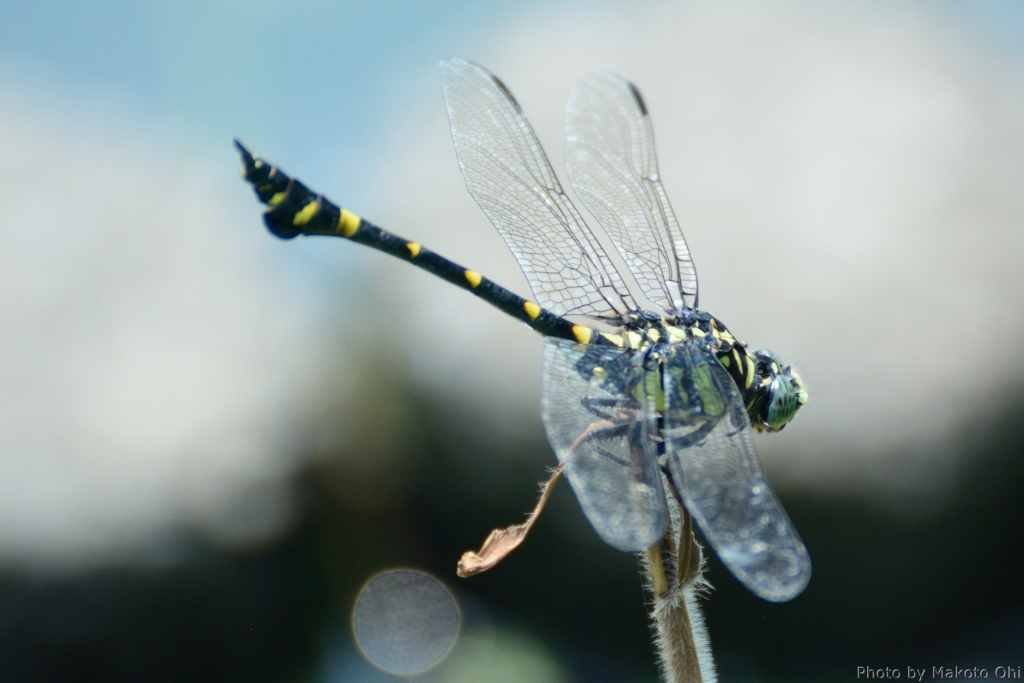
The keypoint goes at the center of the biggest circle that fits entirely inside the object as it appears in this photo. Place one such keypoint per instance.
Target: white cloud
(148, 371)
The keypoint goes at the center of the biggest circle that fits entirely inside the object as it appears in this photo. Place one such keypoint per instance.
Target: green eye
(782, 402)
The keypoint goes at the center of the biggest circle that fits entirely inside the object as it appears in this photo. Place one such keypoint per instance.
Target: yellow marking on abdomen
(532, 309)
(276, 199)
(414, 248)
(473, 278)
(582, 334)
(306, 214)
(348, 223)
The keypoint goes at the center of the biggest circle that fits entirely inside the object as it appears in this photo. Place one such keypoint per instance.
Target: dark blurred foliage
(889, 589)
(893, 588)
(216, 617)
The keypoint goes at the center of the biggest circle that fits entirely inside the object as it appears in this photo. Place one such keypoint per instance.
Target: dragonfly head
(779, 395)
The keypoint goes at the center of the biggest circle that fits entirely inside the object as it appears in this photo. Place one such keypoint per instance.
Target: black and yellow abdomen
(293, 209)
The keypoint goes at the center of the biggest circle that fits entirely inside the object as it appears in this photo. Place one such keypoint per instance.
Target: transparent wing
(511, 179)
(599, 433)
(714, 466)
(614, 170)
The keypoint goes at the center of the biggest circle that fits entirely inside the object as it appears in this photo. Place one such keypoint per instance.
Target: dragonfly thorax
(773, 392)
(640, 320)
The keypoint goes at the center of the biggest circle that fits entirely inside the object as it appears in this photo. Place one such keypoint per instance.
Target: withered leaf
(501, 542)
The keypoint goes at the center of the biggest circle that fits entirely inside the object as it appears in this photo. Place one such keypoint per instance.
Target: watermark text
(941, 673)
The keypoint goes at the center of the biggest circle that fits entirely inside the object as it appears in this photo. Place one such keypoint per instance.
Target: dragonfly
(645, 396)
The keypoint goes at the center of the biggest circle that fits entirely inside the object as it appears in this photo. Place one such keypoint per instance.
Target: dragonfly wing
(713, 464)
(613, 167)
(600, 434)
(510, 177)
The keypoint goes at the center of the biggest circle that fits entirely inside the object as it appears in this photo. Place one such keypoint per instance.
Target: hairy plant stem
(675, 577)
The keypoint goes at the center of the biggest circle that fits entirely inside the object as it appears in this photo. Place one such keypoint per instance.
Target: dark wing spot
(639, 99)
(508, 93)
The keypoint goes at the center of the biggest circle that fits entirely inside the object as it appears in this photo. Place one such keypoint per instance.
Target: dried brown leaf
(501, 542)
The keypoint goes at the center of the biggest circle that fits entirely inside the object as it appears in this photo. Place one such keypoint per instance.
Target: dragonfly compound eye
(782, 392)
(782, 404)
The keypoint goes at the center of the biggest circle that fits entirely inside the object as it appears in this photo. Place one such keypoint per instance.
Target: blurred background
(209, 439)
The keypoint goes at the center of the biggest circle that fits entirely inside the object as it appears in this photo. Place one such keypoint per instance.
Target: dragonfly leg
(612, 408)
(680, 439)
(608, 430)
(605, 429)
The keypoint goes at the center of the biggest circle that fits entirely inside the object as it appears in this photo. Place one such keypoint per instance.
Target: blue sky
(313, 80)
(286, 72)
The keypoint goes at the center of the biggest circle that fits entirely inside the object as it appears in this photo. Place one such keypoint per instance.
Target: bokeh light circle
(405, 621)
